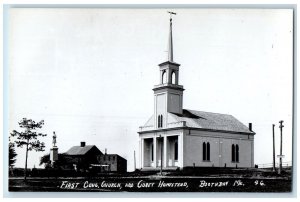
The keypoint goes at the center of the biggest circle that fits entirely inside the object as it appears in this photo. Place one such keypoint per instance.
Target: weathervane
(171, 13)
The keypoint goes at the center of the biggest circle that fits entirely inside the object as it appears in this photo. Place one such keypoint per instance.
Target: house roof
(113, 155)
(212, 121)
(78, 150)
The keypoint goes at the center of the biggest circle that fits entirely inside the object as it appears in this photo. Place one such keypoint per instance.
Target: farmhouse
(88, 157)
(82, 156)
(177, 138)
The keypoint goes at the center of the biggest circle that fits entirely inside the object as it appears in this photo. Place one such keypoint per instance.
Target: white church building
(178, 138)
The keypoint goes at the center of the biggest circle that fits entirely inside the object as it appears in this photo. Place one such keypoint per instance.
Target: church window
(206, 151)
(235, 153)
(158, 121)
(164, 77)
(173, 78)
(176, 151)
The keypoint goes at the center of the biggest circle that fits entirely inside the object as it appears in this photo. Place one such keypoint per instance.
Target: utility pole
(274, 169)
(280, 156)
(161, 153)
(134, 160)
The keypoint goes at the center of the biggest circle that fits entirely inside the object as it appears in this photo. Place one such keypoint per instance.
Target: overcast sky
(89, 73)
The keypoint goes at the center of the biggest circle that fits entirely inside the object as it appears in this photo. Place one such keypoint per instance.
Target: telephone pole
(280, 156)
(134, 160)
(274, 169)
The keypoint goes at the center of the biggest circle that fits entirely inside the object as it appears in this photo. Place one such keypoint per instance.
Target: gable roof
(117, 155)
(206, 121)
(211, 121)
(78, 150)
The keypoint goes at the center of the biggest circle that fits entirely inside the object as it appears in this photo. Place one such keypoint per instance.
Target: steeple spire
(170, 45)
(168, 93)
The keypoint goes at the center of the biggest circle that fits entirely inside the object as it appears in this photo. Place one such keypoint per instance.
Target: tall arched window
(158, 121)
(208, 151)
(164, 77)
(173, 78)
(233, 153)
(176, 151)
(204, 151)
(237, 153)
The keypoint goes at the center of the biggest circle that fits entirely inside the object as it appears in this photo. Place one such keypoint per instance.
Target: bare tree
(29, 137)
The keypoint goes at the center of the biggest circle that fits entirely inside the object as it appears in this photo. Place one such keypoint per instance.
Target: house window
(235, 153)
(206, 151)
(176, 151)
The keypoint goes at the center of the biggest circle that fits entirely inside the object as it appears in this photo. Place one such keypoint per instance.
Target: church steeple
(168, 94)
(170, 45)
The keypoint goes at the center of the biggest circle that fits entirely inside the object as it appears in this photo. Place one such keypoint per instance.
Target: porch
(160, 151)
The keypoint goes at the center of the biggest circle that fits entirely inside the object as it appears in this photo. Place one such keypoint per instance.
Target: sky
(89, 73)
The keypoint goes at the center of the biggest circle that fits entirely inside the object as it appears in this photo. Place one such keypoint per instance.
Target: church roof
(211, 121)
(78, 150)
(203, 120)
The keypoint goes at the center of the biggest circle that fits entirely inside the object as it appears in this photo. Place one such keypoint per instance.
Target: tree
(29, 137)
(62, 161)
(45, 160)
(12, 154)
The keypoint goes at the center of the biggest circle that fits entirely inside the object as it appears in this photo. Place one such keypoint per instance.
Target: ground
(233, 181)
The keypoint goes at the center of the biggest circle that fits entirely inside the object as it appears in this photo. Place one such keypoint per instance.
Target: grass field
(153, 183)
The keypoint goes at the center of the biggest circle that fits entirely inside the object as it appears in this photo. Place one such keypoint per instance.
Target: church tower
(179, 138)
(168, 94)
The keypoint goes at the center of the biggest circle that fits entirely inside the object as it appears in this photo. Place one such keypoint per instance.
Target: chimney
(250, 126)
(82, 144)
(105, 151)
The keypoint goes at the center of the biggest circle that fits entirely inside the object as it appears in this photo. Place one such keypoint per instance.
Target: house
(82, 156)
(89, 157)
(178, 138)
(112, 163)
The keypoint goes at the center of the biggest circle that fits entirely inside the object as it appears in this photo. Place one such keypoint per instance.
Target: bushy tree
(45, 160)
(11, 154)
(62, 160)
(29, 137)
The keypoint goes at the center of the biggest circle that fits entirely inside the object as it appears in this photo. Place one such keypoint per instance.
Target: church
(175, 138)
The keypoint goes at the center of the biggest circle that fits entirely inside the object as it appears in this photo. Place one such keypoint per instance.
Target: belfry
(178, 138)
